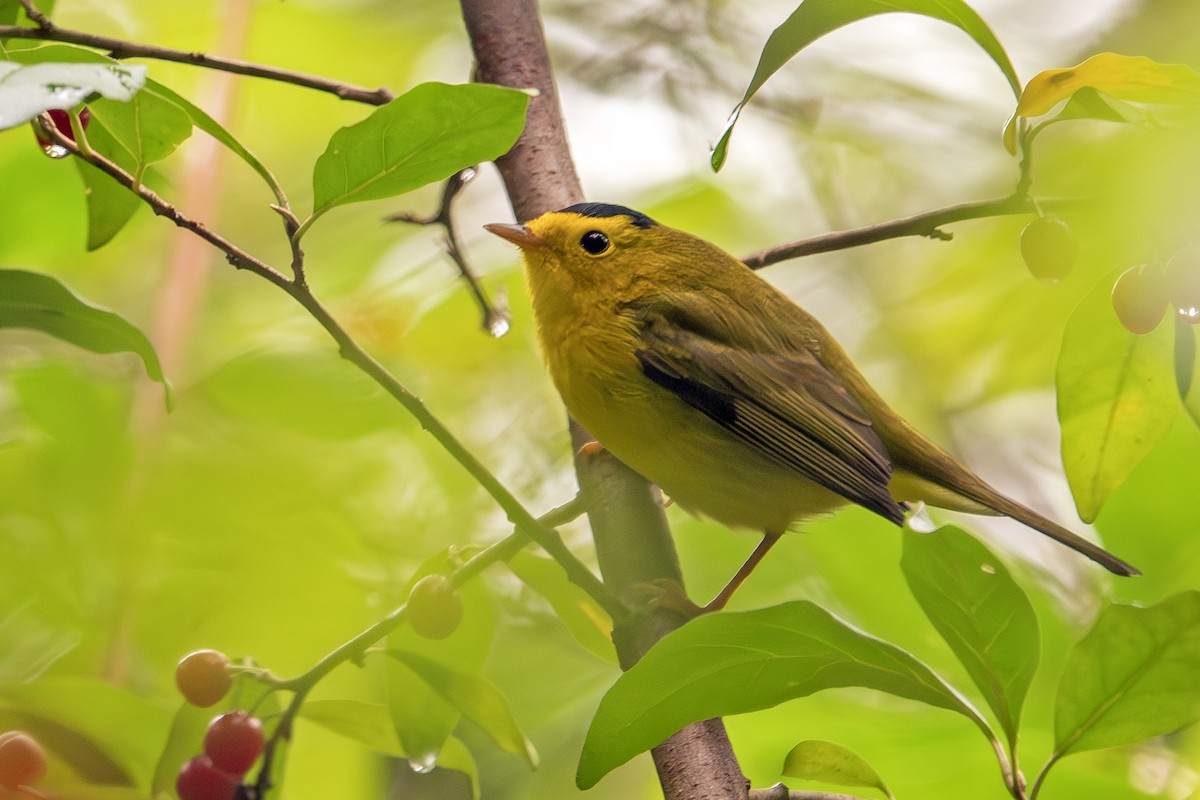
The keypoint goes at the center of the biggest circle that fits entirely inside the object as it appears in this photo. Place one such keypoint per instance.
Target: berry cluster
(22, 763)
(234, 740)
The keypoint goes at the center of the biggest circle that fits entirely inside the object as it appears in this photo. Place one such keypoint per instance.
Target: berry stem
(356, 648)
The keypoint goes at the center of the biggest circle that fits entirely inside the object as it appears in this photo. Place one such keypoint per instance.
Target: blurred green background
(285, 502)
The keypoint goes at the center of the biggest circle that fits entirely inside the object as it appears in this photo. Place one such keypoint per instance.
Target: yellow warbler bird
(711, 383)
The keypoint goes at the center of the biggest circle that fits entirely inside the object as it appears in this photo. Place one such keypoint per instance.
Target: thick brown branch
(121, 49)
(926, 224)
(633, 542)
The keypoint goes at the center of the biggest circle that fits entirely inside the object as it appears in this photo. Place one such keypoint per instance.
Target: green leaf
(583, 617)
(110, 205)
(204, 122)
(829, 762)
(722, 664)
(1136, 674)
(981, 612)
(36, 301)
(812, 19)
(1134, 78)
(1116, 398)
(366, 723)
(27, 90)
(477, 700)
(425, 135)
(143, 131)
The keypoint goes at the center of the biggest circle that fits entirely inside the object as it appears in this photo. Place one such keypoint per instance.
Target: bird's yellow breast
(591, 354)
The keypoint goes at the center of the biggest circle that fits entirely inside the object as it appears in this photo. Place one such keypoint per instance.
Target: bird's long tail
(949, 480)
(1027, 516)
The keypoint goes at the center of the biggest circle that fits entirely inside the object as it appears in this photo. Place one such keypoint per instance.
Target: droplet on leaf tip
(423, 766)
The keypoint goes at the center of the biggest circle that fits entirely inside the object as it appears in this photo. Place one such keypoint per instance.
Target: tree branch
(122, 49)
(927, 224)
(633, 542)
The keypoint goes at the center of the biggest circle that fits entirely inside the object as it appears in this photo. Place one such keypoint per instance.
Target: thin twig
(235, 255)
(495, 316)
(35, 15)
(928, 224)
(547, 539)
(122, 49)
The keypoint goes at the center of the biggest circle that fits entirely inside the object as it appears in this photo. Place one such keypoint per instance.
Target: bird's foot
(669, 594)
(589, 449)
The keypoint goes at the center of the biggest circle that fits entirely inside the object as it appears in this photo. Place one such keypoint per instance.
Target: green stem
(356, 648)
(1037, 783)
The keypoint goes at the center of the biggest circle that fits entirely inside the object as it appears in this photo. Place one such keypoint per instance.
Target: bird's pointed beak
(519, 235)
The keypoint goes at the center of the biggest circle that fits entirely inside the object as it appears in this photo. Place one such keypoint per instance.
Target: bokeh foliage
(285, 503)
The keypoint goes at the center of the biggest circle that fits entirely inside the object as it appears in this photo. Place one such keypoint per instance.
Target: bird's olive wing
(782, 402)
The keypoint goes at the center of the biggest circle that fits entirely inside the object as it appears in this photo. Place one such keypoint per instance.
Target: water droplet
(468, 174)
(424, 765)
(1189, 314)
(988, 569)
(56, 150)
(498, 325)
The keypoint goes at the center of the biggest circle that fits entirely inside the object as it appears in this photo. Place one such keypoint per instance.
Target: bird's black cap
(602, 210)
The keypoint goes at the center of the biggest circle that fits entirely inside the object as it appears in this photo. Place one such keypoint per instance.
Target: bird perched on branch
(711, 383)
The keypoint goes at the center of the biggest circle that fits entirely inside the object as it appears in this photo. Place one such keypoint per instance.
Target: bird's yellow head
(584, 247)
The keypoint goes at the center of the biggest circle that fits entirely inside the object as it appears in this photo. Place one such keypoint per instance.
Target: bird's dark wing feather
(779, 400)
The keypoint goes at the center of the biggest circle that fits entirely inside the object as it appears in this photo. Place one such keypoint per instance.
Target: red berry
(234, 741)
(1049, 248)
(435, 608)
(1139, 297)
(22, 760)
(203, 677)
(62, 121)
(199, 779)
(1183, 283)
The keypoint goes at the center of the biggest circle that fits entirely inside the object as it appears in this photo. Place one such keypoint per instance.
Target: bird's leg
(739, 577)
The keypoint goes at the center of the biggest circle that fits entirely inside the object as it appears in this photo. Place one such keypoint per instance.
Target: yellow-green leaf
(1133, 78)
(1116, 398)
(829, 762)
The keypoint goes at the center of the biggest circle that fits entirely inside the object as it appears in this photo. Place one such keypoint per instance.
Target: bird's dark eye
(594, 242)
